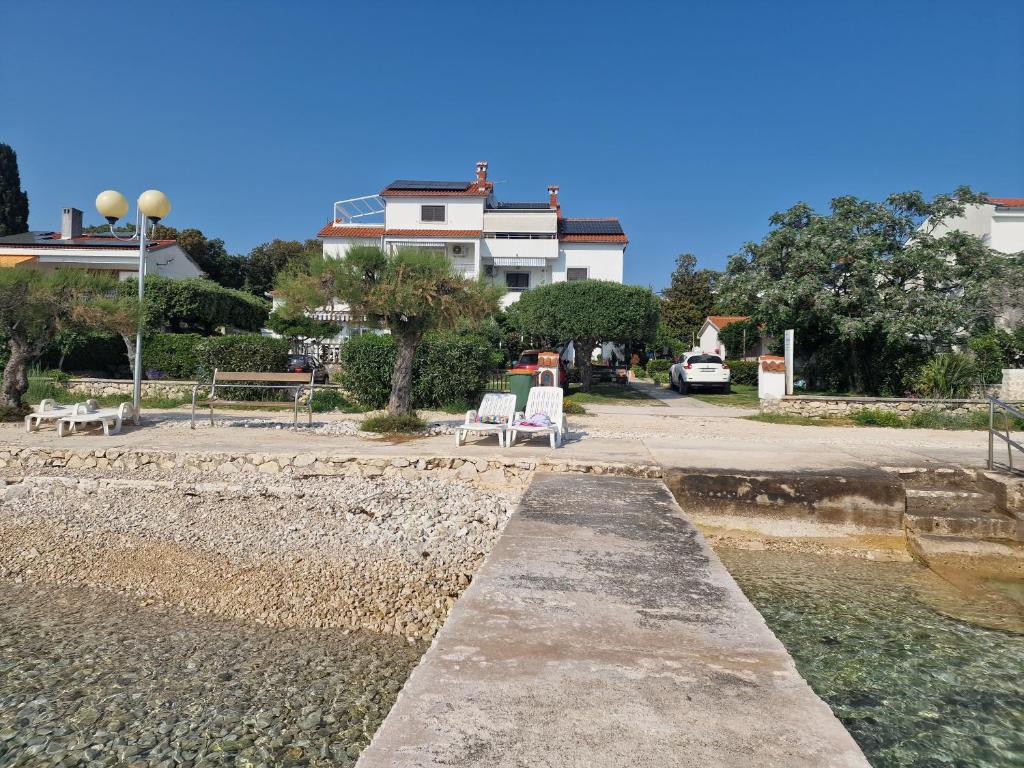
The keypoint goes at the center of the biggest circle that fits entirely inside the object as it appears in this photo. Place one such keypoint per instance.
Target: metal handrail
(1007, 411)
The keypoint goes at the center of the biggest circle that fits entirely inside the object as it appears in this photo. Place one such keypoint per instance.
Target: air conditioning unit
(489, 270)
(457, 250)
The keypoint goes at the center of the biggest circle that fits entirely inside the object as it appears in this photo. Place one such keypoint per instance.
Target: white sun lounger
(110, 418)
(51, 410)
(546, 400)
(494, 404)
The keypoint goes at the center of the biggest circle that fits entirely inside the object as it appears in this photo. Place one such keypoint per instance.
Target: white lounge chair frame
(546, 400)
(110, 418)
(51, 410)
(494, 404)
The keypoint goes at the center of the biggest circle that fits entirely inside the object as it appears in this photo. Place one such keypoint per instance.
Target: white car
(697, 369)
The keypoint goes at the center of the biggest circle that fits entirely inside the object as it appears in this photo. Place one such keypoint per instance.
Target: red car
(528, 362)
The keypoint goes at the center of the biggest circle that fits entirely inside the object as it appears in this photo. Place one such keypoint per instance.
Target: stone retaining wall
(492, 472)
(155, 388)
(811, 406)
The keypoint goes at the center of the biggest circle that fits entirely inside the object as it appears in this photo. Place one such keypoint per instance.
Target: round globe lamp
(154, 204)
(112, 205)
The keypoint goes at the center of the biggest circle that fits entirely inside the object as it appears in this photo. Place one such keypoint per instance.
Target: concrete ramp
(602, 631)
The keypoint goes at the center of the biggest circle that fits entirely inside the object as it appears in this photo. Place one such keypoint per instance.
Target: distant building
(710, 342)
(71, 247)
(515, 245)
(999, 223)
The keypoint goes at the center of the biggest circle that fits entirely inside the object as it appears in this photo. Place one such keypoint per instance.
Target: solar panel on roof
(431, 185)
(522, 206)
(571, 227)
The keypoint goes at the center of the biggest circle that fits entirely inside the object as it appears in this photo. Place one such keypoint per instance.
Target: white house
(516, 245)
(710, 342)
(71, 247)
(999, 223)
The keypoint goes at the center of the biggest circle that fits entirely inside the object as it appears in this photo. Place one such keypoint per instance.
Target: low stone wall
(156, 388)
(481, 471)
(812, 406)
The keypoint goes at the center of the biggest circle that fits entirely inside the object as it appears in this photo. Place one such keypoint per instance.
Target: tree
(409, 291)
(266, 260)
(738, 337)
(13, 199)
(688, 299)
(588, 313)
(209, 253)
(303, 328)
(34, 307)
(869, 288)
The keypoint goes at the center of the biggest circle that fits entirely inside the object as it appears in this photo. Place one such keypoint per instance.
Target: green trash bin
(520, 380)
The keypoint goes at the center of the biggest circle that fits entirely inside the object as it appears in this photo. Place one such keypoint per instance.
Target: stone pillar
(1013, 385)
(771, 377)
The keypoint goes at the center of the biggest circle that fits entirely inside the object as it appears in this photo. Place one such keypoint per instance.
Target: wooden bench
(300, 382)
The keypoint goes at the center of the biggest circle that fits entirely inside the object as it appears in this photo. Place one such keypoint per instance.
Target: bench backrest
(268, 377)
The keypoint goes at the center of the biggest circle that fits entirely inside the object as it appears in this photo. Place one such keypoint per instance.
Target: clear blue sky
(691, 121)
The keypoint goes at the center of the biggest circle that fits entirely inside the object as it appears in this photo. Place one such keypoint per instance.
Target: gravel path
(92, 679)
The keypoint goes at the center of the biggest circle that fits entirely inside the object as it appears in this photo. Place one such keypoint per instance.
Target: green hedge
(198, 304)
(448, 369)
(246, 352)
(743, 371)
(171, 354)
(658, 365)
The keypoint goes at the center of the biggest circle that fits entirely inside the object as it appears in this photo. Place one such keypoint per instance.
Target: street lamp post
(152, 206)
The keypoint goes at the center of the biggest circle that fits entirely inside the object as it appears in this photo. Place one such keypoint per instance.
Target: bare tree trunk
(15, 382)
(585, 366)
(400, 402)
(129, 345)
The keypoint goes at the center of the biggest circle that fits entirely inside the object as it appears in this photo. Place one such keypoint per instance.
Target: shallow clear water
(913, 686)
(91, 678)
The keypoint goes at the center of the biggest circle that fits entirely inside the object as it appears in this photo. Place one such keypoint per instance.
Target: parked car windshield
(704, 359)
(296, 359)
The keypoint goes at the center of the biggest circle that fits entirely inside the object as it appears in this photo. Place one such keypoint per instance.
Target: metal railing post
(991, 434)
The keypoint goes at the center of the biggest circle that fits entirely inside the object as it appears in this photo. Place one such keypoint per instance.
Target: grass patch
(879, 418)
(742, 396)
(386, 423)
(325, 400)
(608, 393)
(573, 408)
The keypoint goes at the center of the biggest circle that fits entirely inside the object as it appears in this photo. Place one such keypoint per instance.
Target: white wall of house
(460, 213)
(518, 248)
(1001, 228)
(173, 262)
(709, 342)
(603, 261)
(336, 247)
(521, 221)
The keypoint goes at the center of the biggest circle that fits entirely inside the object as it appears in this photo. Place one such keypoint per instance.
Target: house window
(432, 213)
(577, 273)
(517, 281)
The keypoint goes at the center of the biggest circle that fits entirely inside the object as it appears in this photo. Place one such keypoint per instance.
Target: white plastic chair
(494, 404)
(546, 400)
(110, 418)
(51, 410)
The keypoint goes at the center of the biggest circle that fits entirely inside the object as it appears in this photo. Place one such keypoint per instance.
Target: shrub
(639, 372)
(659, 378)
(388, 423)
(875, 417)
(658, 365)
(743, 371)
(949, 375)
(448, 369)
(247, 352)
(198, 304)
(172, 354)
(994, 351)
(332, 400)
(99, 352)
(571, 408)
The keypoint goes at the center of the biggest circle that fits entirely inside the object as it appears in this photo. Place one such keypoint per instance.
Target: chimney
(481, 171)
(70, 223)
(553, 198)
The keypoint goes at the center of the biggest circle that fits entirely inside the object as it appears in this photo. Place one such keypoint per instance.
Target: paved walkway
(602, 631)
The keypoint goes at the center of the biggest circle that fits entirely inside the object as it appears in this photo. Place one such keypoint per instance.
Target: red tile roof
(433, 233)
(333, 229)
(724, 321)
(1007, 202)
(773, 363)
